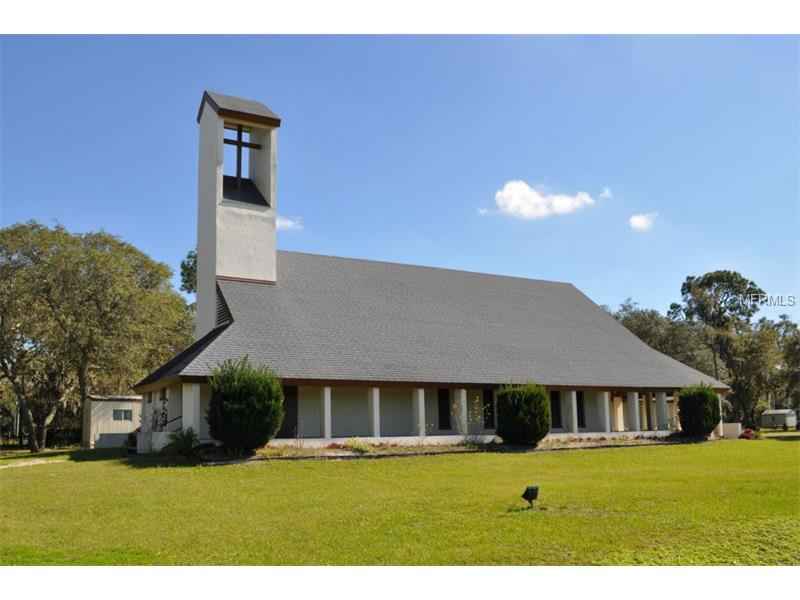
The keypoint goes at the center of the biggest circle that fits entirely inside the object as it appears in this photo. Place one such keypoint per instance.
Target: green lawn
(727, 502)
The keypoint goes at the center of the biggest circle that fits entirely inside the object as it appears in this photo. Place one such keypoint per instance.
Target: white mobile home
(779, 417)
(109, 419)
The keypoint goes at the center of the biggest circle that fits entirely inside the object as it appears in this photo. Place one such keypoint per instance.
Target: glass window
(122, 415)
(488, 409)
(581, 410)
(555, 408)
(444, 408)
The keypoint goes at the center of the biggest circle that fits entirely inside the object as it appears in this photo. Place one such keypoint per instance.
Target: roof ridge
(431, 267)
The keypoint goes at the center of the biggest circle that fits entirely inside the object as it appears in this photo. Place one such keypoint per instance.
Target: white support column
(168, 401)
(719, 429)
(374, 409)
(633, 411)
(570, 399)
(460, 411)
(418, 411)
(325, 412)
(605, 412)
(190, 407)
(661, 411)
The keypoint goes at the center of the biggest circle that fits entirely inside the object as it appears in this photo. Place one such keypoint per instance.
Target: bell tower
(235, 212)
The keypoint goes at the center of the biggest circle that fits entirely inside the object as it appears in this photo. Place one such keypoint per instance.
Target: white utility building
(108, 420)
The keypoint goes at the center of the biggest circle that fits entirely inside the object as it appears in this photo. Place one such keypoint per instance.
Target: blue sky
(480, 153)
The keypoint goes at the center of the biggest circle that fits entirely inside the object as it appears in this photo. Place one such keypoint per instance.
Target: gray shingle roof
(176, 365)
(332, 318)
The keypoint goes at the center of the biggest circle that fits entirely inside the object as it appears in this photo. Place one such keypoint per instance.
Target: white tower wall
(235, 240)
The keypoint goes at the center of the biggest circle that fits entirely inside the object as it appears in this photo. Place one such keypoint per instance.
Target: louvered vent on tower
(223, 312)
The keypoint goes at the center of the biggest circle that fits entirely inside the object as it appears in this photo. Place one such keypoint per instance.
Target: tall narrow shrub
(523, 413)
(698, 410)
(246, 406)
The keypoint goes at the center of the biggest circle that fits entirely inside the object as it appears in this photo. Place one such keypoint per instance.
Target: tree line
(713, 329)
(79, 314)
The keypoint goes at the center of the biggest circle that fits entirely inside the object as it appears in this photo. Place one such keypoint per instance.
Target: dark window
(581, 410)
(444, 408)
(289, 426)
(122, 415)
(555, 408)
(488, 409)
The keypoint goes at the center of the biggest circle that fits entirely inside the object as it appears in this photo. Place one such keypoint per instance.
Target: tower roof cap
(238, 108)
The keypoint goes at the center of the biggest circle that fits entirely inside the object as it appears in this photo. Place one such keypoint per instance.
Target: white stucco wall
(234, 239)
(209, 194)
(592, 407)
(309, 421)
(245, 241)
(349, 412)
(174, 407)
(205, 396)
(396, 412)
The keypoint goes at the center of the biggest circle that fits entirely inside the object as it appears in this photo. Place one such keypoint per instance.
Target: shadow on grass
(160, 461)
(98, 454)
(782, 438)
(526, 509)
(71, 454)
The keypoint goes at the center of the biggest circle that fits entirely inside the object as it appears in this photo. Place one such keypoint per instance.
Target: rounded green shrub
(698, 410)
(246, 406)
(523, 413)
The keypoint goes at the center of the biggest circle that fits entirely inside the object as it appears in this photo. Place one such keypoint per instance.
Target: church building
(388, 352)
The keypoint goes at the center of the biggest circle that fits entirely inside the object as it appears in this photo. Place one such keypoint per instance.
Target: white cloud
(606, 193)
(286, 224)
(642, 222)
(483, 211)
(518, 199)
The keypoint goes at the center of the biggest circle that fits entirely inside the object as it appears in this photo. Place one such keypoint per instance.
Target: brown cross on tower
(239, 143)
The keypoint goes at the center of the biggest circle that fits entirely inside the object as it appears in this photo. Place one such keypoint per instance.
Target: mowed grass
(726, 502)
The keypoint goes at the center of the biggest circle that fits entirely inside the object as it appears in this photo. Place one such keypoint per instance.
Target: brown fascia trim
(235, 114)
(457, 385)
(244, 279)
(157, 385)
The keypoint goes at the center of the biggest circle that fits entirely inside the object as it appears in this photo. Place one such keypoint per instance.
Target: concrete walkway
(28, 463)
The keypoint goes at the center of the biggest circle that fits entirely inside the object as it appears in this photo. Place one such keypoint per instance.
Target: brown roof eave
(235, 114)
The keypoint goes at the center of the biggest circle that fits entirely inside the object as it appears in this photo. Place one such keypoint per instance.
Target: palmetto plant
(182, 443)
